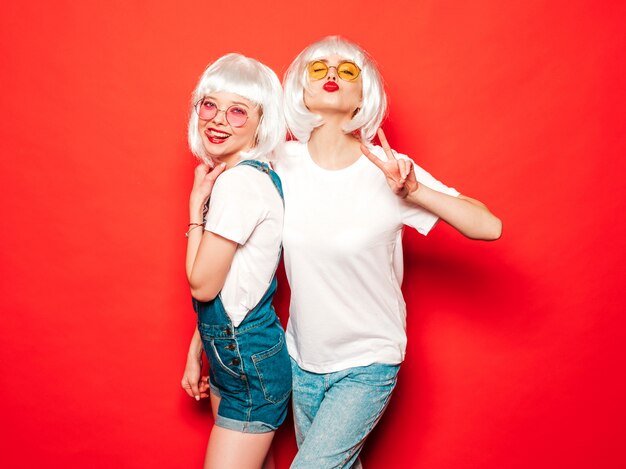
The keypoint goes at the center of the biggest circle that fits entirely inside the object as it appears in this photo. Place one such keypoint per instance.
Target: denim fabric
(334, 412)
(249, 364)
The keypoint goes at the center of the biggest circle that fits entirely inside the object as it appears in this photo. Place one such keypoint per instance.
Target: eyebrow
(239, 103)
(326, 61)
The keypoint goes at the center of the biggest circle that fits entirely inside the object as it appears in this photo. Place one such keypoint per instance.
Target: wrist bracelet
(196, 225)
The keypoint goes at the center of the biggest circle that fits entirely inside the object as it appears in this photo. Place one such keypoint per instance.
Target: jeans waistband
(226, 330)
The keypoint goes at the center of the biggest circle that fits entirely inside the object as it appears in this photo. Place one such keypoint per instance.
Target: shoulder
(245, 192)
(289, 155)
(243, 173)
(242, 179)
(380, 153)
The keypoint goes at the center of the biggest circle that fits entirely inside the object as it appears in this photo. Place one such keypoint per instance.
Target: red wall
(515, 355)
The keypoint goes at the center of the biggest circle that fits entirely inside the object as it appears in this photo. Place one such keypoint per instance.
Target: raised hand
(398, 171)
(204, 178)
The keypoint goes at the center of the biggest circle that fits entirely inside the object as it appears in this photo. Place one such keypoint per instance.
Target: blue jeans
(334, 412)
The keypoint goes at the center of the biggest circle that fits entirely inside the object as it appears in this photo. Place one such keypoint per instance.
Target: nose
(220, 116)
(332, 73)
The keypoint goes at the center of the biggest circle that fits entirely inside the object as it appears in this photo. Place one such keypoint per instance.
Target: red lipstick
(215, 136)
(331, 86)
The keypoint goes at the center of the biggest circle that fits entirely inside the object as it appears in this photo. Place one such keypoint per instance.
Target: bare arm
(469, 216)
(212, 262)
(209, 256)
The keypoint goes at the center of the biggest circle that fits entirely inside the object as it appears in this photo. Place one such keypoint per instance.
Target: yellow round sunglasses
(348, 71)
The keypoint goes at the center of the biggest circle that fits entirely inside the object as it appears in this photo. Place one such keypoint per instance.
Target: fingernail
(197, 398)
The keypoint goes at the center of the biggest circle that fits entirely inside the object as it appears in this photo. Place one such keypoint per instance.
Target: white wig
(366, 121)
(250, 79)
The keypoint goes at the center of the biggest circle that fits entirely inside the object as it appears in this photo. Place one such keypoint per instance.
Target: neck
(331, 148)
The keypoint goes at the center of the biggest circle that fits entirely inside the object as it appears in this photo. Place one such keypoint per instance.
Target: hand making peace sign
(398, 171)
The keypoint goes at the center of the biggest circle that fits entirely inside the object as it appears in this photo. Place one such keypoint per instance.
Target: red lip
(213, 139)
(331, 86)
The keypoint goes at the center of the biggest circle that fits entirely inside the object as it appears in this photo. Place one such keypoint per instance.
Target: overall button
(230, 347)
(235, 361)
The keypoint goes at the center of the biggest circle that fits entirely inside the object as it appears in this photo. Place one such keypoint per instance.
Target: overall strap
(265, 167)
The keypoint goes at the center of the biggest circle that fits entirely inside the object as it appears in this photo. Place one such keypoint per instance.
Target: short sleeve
(419, 218)
(235, 209)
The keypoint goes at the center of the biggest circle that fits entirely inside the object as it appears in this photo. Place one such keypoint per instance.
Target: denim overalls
(249, 365)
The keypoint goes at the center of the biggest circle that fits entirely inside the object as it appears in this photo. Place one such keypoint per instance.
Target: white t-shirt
(245, 207)
(343, 258)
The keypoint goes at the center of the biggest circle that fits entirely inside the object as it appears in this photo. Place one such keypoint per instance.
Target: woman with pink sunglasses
(234, 246)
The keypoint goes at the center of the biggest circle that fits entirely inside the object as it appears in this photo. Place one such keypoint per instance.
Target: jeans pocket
(274, 371)
(221, 353)
(224, 360)
(377, 375)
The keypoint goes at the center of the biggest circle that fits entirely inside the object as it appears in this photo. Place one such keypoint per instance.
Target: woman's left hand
(398, 171)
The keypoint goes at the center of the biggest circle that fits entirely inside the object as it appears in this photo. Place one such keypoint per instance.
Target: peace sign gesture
(398, 171)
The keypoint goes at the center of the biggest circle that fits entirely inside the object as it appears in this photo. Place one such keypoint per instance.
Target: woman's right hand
(204, 178)
(193, 383)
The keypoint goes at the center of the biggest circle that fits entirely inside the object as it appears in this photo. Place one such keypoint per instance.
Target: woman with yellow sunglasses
(347, 202)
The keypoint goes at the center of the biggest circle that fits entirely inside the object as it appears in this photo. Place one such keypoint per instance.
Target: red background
(515, 355)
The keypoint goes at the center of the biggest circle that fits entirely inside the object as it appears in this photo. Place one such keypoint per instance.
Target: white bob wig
(366, 121)
(250, 79)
